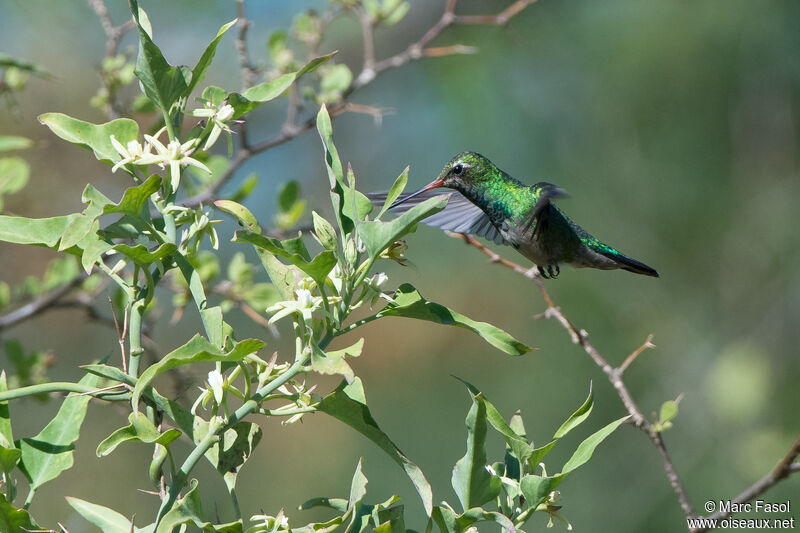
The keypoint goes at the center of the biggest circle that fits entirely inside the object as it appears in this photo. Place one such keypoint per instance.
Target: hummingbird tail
(632, 265)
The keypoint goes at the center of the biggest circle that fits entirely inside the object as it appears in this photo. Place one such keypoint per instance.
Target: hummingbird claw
(542, 272)
(553, 270)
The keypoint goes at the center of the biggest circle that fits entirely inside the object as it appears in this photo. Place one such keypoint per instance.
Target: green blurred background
(674, 127)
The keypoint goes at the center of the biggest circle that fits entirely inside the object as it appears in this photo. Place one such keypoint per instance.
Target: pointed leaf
(189, 510)
(108, 520)
(94, 137)
(237, 445)
(394, 192)
(264, 92)
(586, 448)
(472, 482)
(199, 70)
(410, 304)
(162, 83)
(348, 404)
(196, 350)
(378, 235)
(140, 429)
(49, 453)
(317, 269)
(577, 417)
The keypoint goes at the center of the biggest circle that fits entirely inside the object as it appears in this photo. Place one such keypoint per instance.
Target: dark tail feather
(632, 265)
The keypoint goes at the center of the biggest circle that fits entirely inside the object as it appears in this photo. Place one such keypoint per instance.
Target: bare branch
(628, 360)
(39, 304)
(248, 72)
(782, 470)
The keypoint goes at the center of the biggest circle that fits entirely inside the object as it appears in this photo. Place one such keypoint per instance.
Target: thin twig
(782, 470)
(648, 343)
(368, 37)
(114, 35)
(39, 304)
(121, 334)
(248, 72)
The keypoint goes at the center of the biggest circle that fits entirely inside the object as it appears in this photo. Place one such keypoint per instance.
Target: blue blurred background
(674, 126)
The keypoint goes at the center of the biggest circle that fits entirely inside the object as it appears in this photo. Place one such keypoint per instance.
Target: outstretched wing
(459, 216)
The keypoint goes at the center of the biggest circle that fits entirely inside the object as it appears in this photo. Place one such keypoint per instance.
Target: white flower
(219, 116)
(174, 154)
(373, 288)
(335, 275)
(130, 153)
(216, 382)
(305, 305)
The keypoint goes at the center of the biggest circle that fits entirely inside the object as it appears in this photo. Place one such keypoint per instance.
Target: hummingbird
(489, 203)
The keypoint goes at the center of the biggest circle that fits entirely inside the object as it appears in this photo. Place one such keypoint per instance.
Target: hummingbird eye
(458, 169)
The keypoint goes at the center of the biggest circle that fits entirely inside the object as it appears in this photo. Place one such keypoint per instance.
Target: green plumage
(506, 210)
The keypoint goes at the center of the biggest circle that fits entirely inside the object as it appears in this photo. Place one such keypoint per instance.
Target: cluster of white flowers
(174, 155)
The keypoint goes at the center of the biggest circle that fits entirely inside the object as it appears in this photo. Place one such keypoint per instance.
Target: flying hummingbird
(489, 203)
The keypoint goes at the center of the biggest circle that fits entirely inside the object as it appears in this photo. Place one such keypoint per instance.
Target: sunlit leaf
(140, 429)
(577, 417)
(108, 520)
(196, 350)
(49, 453)
(348, 404)
(410, 304)
(95, 137)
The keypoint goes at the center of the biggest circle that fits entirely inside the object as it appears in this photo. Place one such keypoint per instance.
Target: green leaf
(410, 304)
(333, 362)
(358, 487)
(135, 198)
(13, 520)
(394, 192)
(317, 269)
(577, 417)
(264, 92)
(189, 510)
(473, 484)
(378, 235)
(49, 453)
(199, 70)
(95, 137)
(6, 435)
(140, 429)
(14, 172)
(325, 233)
(198, 349)
(237, 444)
(335, 172)
(81, 225)
(288, 195)
(14, 142)
(108, 520)
(9, 454)
(450, 522)
(140, 255)
(179, 414)
(520, 448)
(240, 213)
(348, 404)
(537, 488)
(586, 448)
(162, 83)
(39, 231)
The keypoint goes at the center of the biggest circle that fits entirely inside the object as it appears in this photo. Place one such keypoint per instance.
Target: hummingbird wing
(459, 215)
(545, 192)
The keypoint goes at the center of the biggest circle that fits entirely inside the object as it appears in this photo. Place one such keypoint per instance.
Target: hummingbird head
(463, 171)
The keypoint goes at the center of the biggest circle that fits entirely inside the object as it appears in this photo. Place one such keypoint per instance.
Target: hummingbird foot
(551, 272)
